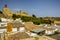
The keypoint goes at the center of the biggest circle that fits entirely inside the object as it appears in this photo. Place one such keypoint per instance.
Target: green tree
(25, 18)
(33, 16)
(41, 18)
(0, 12)
(18, 16)
(47, 21)
(36, 38)
(36, 21)
(0, 20)
(14, 16)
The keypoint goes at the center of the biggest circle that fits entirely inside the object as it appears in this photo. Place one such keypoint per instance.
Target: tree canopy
(33, 16)
(33, 19)
(0, 12)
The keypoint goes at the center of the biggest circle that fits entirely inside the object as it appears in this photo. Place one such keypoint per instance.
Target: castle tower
(21, 12)
(5, 6)
(6, 11)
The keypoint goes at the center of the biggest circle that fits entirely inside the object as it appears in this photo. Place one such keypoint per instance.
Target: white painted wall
(3, 19)
(14, 29)
(22, 29)
(2, 30)
(49, 32)
(3, 24)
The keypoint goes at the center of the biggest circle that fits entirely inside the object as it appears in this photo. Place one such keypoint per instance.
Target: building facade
(6, 11)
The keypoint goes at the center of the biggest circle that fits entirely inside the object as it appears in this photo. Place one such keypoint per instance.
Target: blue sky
(37, 7)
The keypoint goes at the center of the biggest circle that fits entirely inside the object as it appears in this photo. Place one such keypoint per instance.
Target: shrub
(0, 20)
(36, 38)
